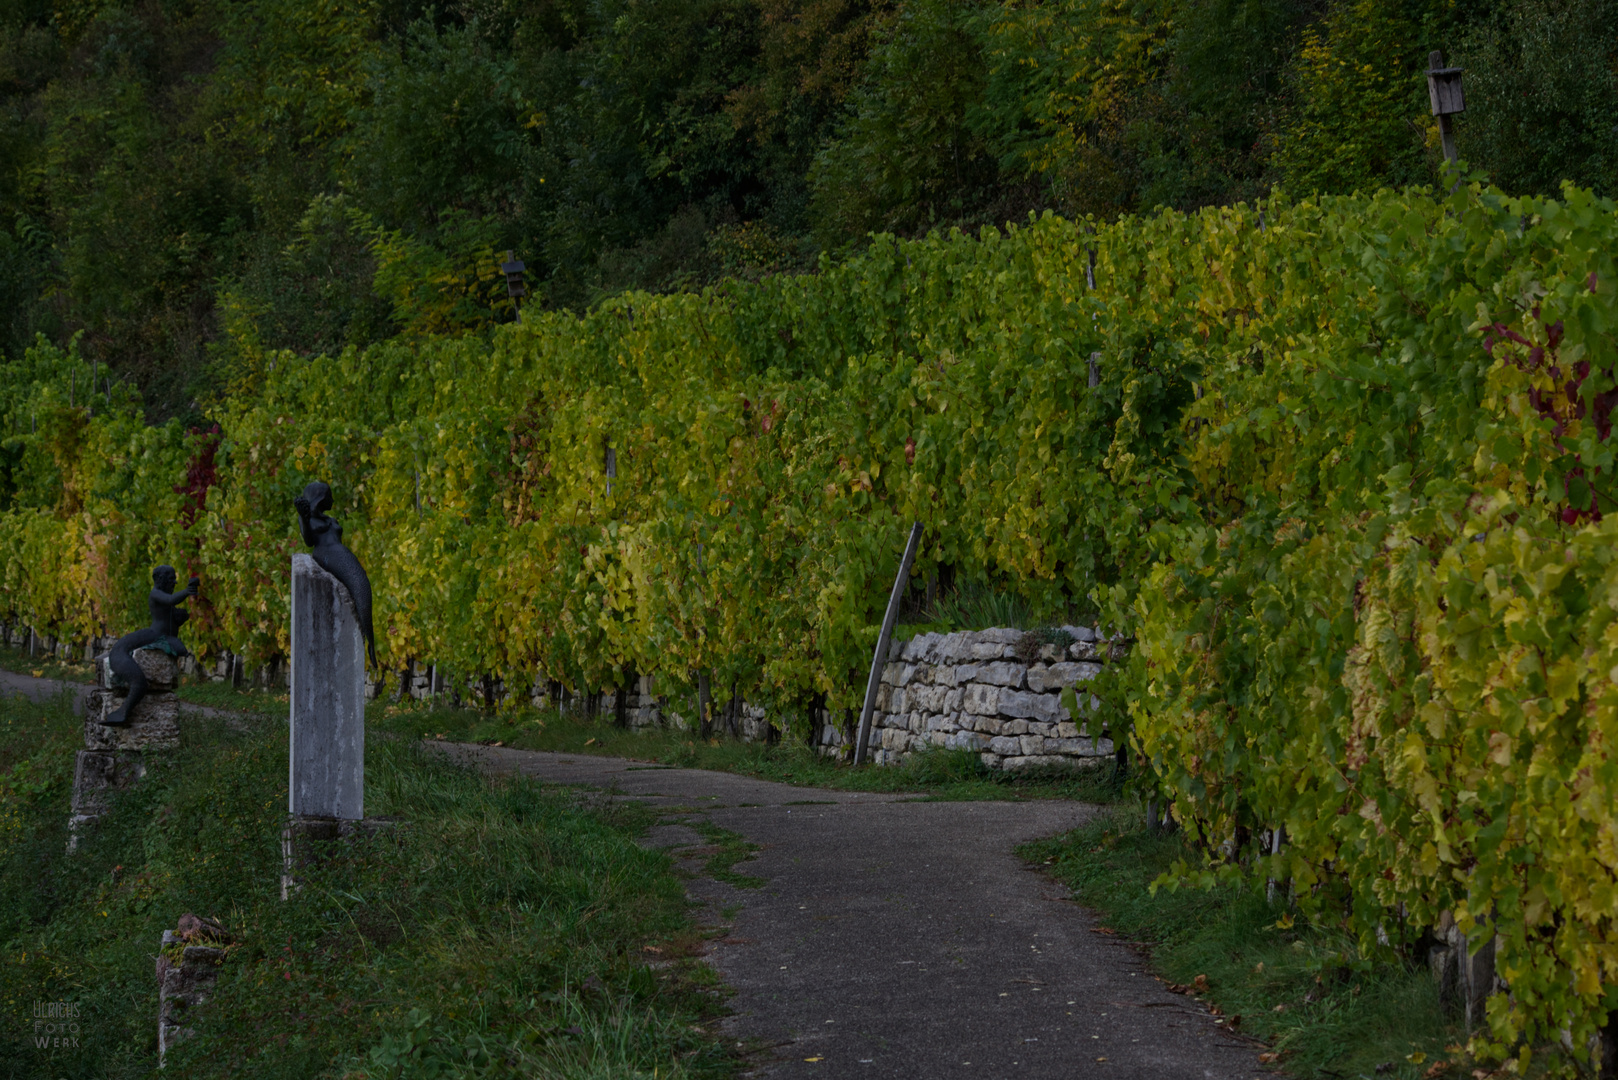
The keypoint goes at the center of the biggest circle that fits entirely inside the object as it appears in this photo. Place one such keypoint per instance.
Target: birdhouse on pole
(1444, 92)
(515, 286)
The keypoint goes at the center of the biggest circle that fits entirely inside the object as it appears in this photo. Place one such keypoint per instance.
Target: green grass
(503, 931)
(220, 695)
(1334, 1019)
(19, 661)
(953, 775)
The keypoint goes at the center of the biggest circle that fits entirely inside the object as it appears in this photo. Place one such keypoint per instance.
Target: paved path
(898, 938)
(34, 689)
(12, 684)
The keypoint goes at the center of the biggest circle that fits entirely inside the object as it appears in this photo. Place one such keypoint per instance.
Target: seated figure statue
(167, 617)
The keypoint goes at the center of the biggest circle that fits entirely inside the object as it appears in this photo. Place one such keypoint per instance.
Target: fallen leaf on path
(1268, 1059)
(1200, 983)
(814, 1059)
(1436, 1069)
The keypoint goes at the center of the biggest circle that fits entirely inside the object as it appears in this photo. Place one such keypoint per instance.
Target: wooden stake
(883, 640)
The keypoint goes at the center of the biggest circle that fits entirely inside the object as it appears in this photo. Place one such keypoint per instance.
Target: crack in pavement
(900, 938)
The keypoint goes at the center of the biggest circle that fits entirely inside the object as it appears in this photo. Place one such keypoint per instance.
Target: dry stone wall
(994, 692)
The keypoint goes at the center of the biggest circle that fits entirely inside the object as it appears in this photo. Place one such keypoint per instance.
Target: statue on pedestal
(324, 535)
(163, 603)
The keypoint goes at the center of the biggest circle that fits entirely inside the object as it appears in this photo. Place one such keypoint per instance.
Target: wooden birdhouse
(1444, 87)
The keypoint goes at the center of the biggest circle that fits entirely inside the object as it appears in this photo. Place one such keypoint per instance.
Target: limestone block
(967, 740)
(1025, 704)
(884, 695)
(898, 701)
(988, 650)
(99, 773)
(155, 724)
(1085, 650)
(966, 673)
(1003, 674)
(1033, 744)
(954, 647)
(1052, 653)
(980, 699)
(1014, 727)
(923, 675)
(1005, 744)
(953, 700)
(327, 759)
(929, 699)
(942, 723)
(1067, 730)
(1080, 633)
(1057, 676)
(922, 647)
(1000, 636)
(162, 671)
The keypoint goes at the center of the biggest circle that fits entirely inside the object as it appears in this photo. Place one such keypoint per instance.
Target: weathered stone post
(326, 768)
(327, 778)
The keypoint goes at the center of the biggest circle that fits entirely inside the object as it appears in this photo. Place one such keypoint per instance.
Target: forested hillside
(322, 173)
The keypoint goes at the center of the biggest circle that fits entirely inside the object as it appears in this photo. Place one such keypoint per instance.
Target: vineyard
(1340, 468)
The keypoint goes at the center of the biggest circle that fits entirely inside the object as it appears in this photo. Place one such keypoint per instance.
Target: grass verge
(1296, 987)
(18, 661)
(954, 775)
(503, 931)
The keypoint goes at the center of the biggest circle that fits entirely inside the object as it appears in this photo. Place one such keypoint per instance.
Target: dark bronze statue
(325, 539)
(163, 603)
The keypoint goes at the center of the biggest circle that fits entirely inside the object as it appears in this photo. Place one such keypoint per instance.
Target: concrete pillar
(327, 777)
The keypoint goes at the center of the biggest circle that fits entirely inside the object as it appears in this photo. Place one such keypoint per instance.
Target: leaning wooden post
(882, 642)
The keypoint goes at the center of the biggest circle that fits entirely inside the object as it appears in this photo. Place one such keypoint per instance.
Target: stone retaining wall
(995, 692)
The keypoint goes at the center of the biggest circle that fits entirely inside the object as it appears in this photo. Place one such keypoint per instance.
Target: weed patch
(730, 848)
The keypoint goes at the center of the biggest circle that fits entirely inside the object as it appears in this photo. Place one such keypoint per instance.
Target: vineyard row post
(880, 657)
